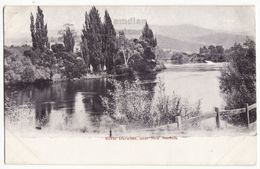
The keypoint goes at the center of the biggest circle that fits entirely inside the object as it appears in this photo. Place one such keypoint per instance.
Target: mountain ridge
(185, 37)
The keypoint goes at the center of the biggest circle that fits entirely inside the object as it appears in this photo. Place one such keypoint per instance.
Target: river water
(76, 105)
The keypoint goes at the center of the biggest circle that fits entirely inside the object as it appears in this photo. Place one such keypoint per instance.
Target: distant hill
(193, 44)
(176, 44)
(186, 38)
(224, 39)
(184, 31)
(190, 38)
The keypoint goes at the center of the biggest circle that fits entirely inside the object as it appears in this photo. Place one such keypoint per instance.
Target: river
(76, 105)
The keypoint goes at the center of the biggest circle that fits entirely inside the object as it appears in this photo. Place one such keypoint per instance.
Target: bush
(15, 64)
(148, 53)
(47, 59)
(130, 104)
(75, 67)
(57, 48)
(34, 55)
(168, 107)
(28, 74)
(25, 65)
(18, 117)
(238, 78)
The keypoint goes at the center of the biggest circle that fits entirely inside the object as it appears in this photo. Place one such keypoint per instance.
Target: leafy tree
(109, 42)
(74, 66)
(92, 33)
(57, 48)
(63, 31)
(219, 49)
(212, 50)
(147, 35)
(68, 40)
(85, 52)
(204, 50)
(148, 54)
(238, 79)
(213, 53)
(126, 48)
(121, 39)
(39, 31)
(32, 29)
(28, 74)
(85, 37)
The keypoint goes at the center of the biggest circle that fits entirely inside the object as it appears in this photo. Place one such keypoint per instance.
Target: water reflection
(42, 114)
(71, 105)
(77, 105)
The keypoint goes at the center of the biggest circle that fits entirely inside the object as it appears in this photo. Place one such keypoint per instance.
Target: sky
(225, 18)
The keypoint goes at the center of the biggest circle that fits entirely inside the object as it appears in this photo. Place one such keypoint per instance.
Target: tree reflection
(63, 99)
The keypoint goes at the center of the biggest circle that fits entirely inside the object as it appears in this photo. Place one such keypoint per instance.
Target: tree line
(101, 49)
(213, 53)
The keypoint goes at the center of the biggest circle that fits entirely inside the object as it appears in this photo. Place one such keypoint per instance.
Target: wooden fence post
(178, 120)
(247, 116)
(217, 117)
(110, 132)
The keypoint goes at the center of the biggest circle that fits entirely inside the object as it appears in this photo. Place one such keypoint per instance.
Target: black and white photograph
(82, 81)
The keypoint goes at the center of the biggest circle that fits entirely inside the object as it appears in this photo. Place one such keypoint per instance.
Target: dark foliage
(57, 48)
(238, 79)
(147, 35)
(68, 40)
(109, 42)
(213, 53)
(39, 31)
(92, 40)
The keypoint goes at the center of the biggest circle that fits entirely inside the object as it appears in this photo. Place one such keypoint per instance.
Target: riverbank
(57, 77)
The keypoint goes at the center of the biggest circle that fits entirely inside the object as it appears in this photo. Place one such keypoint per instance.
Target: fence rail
(200, 118)
(215, 115)
(219, 113)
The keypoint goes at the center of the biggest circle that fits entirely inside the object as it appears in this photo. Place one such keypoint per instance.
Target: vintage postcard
(130, 85)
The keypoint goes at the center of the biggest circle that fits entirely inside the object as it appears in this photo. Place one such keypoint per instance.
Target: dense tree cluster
(210, 53)
(20, 68)
(213, 53)
(101, 49)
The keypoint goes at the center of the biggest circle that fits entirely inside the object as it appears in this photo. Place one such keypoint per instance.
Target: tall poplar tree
(147, 35)
(85, 40)
(95, 40)
(32, 29)
(91, 44)
(39, 31)
(68, 40)
(109, 42)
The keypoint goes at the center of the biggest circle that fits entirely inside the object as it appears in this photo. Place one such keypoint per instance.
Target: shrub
(168, 107)
(238, 78)
(25, 65)
(28, 74)
(130, 104)
(75, 67)
(19, 117)
(57, 48)
(34, 55)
